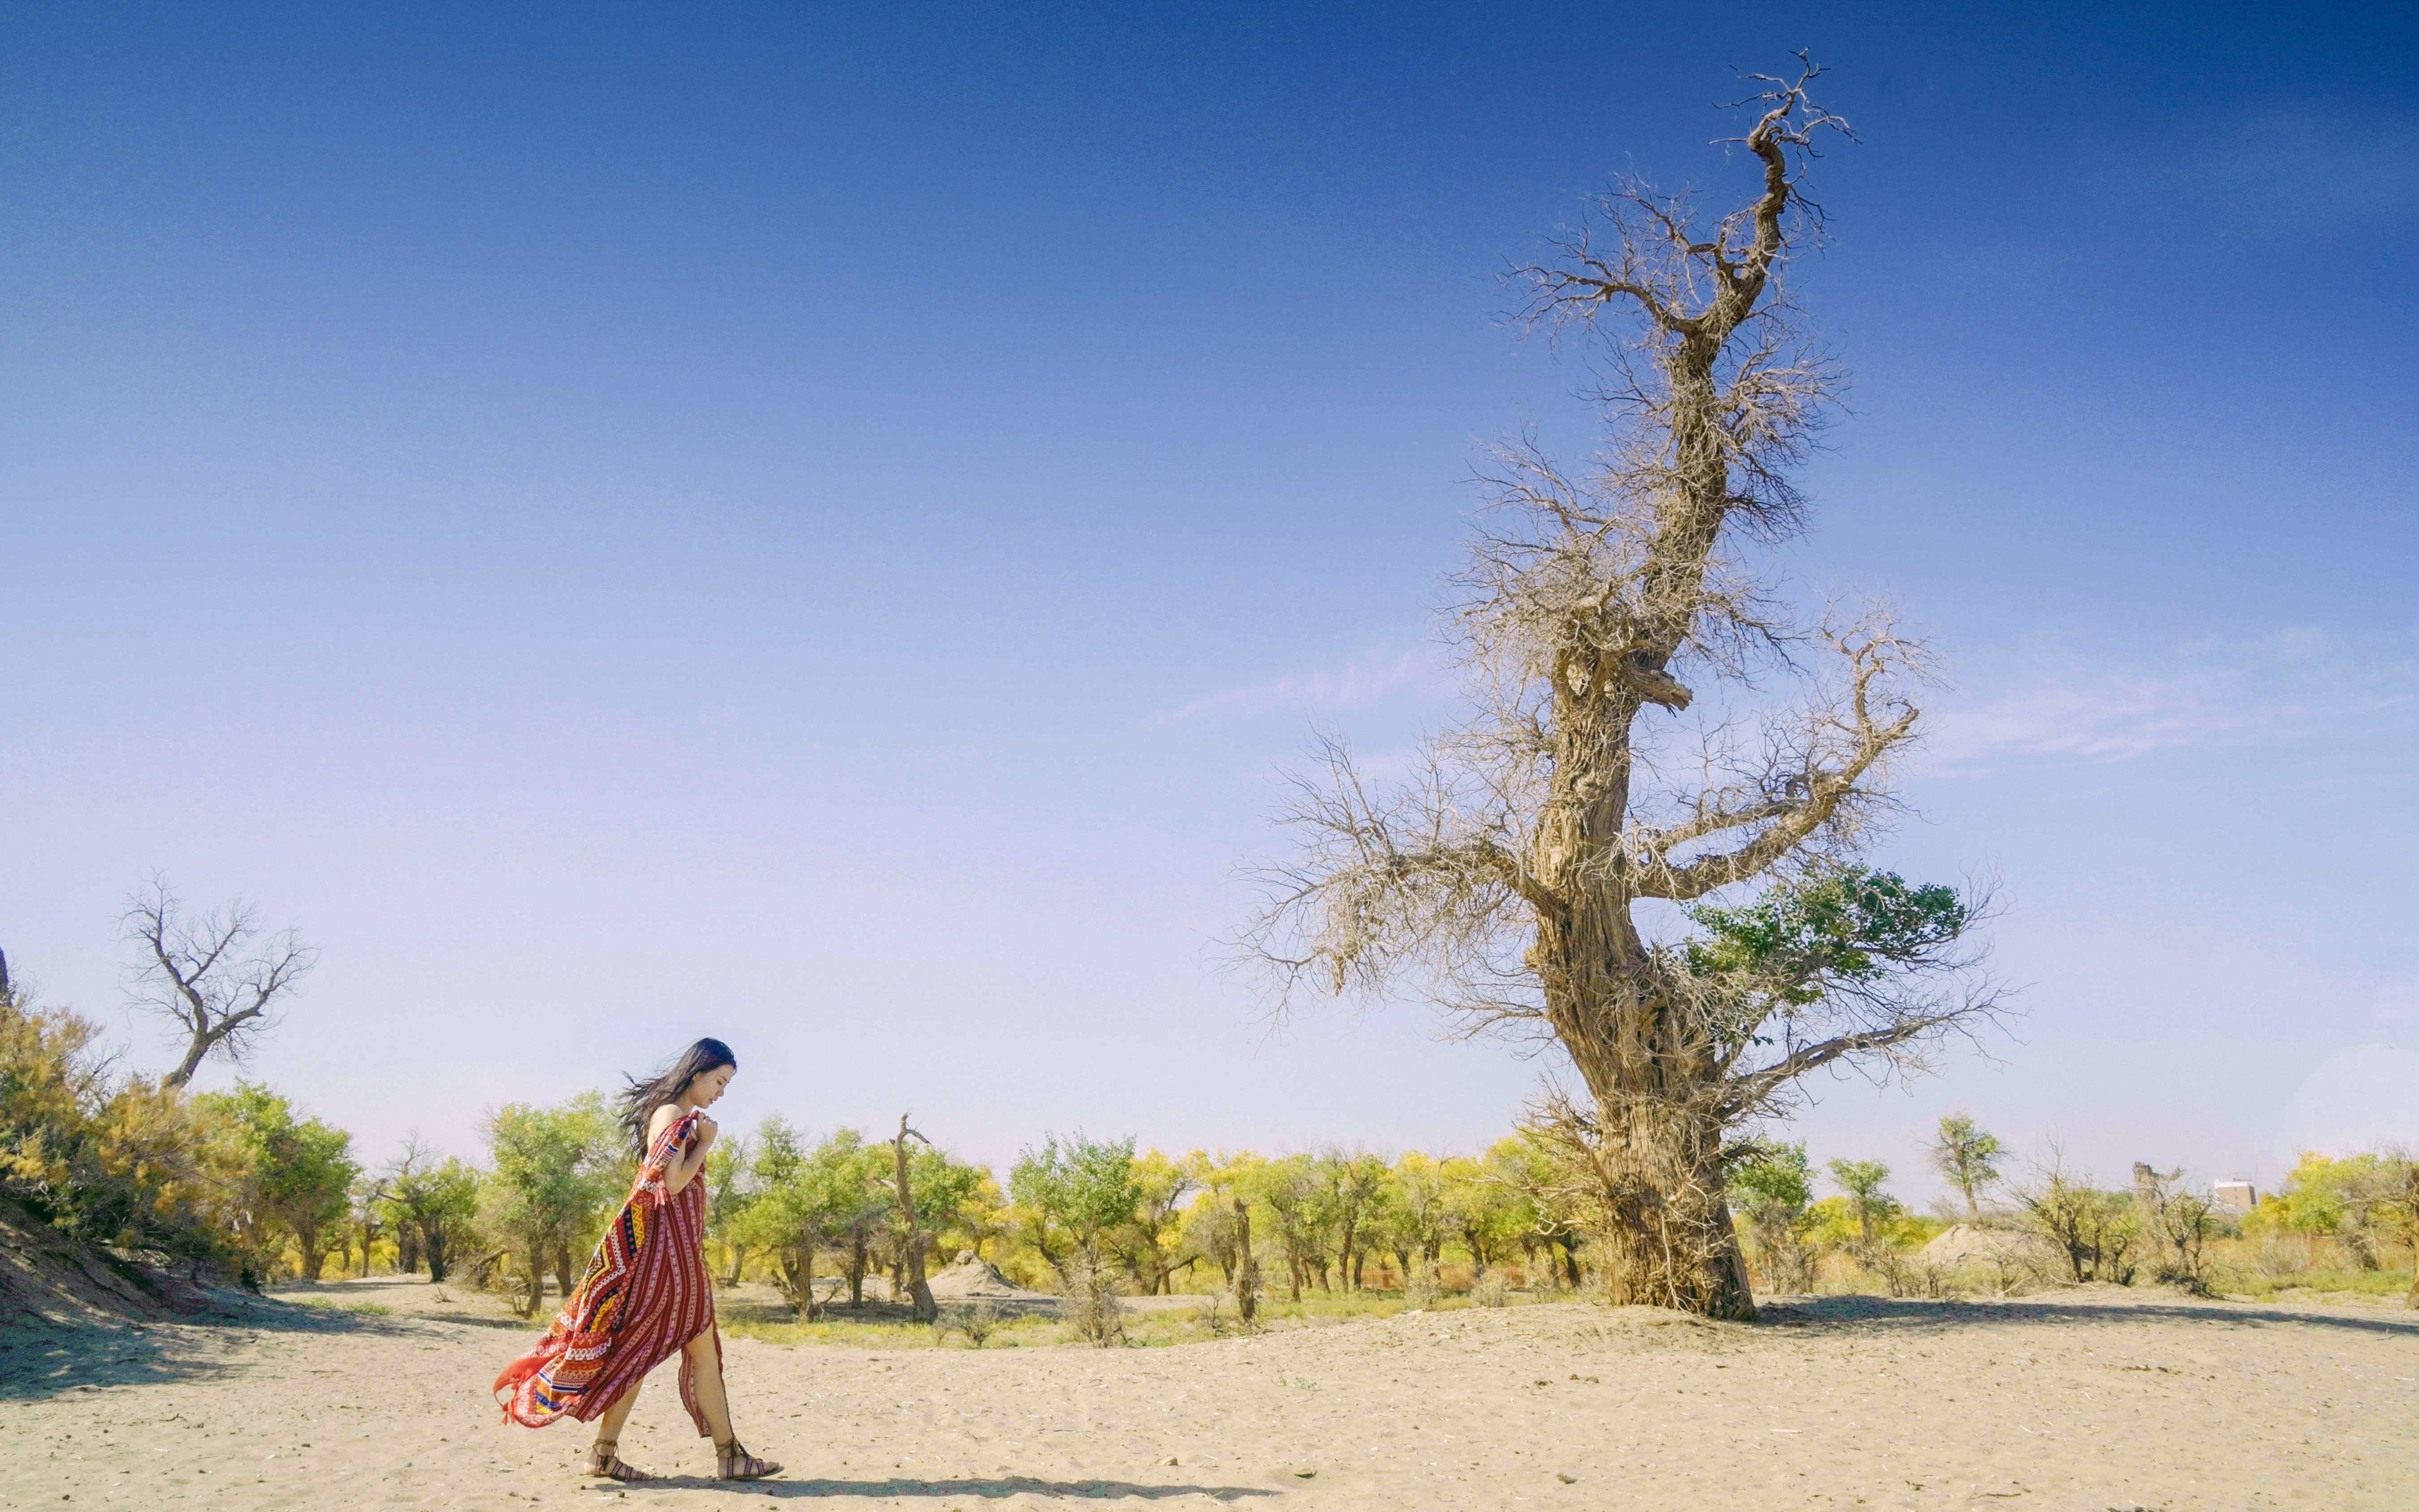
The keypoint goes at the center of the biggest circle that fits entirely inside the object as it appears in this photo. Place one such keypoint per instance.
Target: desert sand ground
(2080, 1399)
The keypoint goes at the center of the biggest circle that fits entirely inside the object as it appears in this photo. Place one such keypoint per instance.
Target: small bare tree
(2098, 1235)
(1527, 877)
(1089, 1301)
(206, 976)
(2182, 1225)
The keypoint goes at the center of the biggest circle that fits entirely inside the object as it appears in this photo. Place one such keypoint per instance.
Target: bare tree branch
(196, 972)
(1844, 742)
(1753, 1091)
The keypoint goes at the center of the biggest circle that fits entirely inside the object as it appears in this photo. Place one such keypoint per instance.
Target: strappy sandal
(603, 1461)
(731, 1461)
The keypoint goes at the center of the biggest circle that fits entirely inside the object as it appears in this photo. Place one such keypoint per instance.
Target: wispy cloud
(1359, 683)
(2295, 684)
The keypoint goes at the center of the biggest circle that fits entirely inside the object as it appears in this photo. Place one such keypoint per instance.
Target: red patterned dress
(645, 1295)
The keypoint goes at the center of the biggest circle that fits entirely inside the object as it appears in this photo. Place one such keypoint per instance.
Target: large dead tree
(206, 975)
(1661, 881)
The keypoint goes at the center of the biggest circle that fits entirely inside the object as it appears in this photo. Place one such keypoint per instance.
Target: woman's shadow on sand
(993, 1488)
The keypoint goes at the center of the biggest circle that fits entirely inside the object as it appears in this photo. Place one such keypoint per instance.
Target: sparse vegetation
(1088, 1301)
(978, 1321)
(2313, 1282)
(366, 1309)
(2097, 1234)
(246, 1180)
(1774, 1185)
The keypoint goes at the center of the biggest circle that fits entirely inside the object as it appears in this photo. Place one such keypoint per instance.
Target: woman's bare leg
(604, 1455)
(705, 1379)
(609, 1427)
(730, 1461)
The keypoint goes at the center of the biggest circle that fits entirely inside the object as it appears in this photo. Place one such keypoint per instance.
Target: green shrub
(116, 1161)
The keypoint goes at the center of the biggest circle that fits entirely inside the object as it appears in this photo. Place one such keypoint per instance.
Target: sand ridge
(2092, 1399)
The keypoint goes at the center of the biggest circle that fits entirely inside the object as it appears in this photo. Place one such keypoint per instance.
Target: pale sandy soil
(2084, 1399)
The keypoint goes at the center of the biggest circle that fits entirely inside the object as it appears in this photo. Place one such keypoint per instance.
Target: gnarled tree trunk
(1668, 1241)
(1247, 1267)
(434, 1242)
(911, 1237)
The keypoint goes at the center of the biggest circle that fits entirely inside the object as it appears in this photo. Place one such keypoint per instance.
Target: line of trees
(816, 1218)
(246, 1179)
(1311, 1221)
(2054, 1225)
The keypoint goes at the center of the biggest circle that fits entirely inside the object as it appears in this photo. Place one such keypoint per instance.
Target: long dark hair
(640, 1099)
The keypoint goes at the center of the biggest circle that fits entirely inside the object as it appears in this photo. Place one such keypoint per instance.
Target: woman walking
(645, 1294)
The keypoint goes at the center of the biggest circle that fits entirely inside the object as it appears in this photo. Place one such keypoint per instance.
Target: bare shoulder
(660, 1121)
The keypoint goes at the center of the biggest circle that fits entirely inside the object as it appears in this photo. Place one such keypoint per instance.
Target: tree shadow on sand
(46, 1361)
(1895, 1314)
(987, 1487)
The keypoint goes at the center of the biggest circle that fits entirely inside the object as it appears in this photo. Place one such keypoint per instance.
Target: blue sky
(821, 526)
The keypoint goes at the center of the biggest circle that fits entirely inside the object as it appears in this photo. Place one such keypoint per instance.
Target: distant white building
(2238, 1196)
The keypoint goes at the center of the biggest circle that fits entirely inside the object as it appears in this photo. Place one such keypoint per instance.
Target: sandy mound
(1970, 1245)
(48, 1278)
(971, 1278)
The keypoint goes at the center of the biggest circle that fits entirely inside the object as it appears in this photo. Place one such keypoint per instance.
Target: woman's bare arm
(686, 1165)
